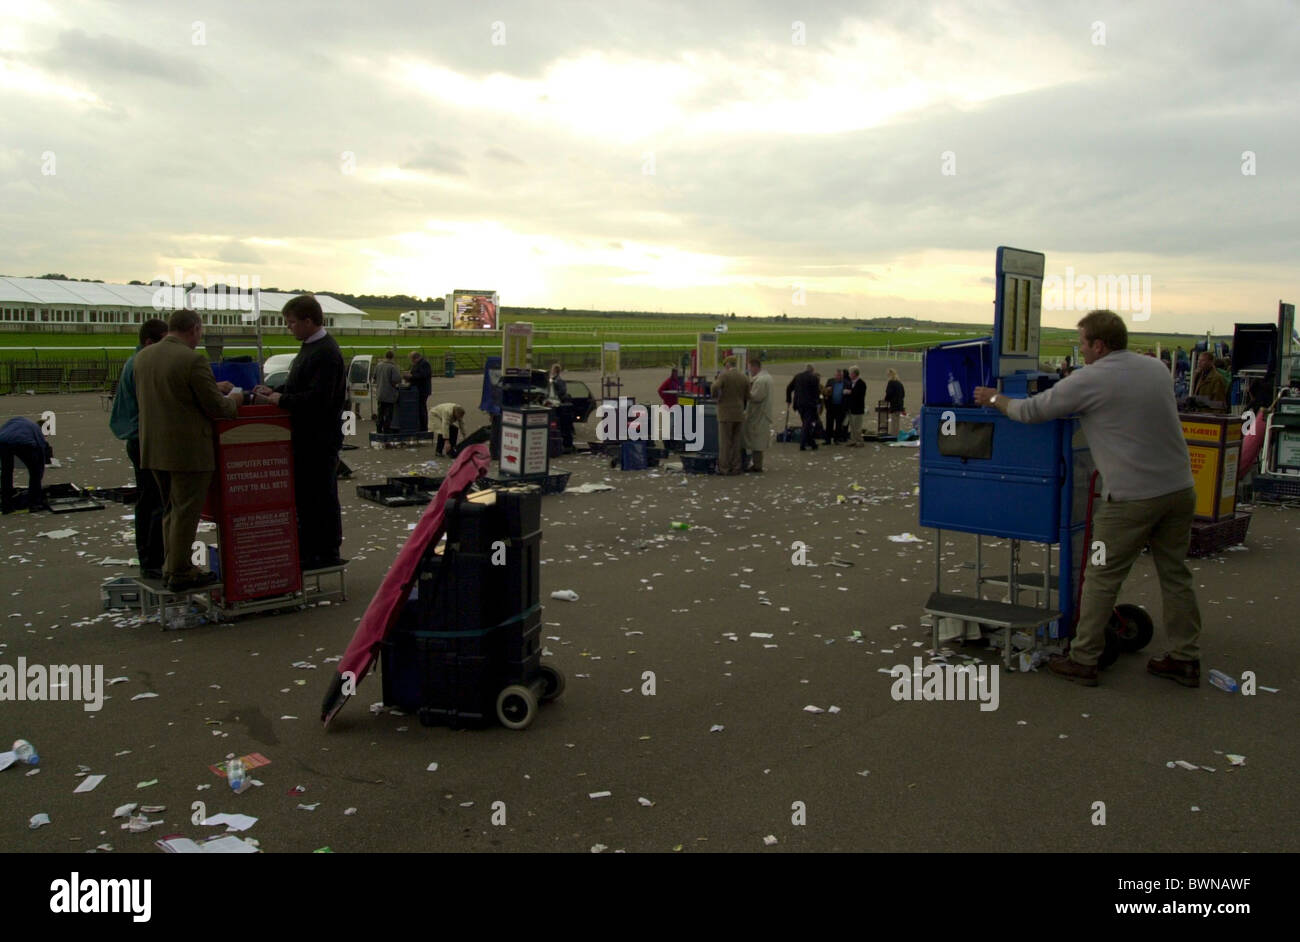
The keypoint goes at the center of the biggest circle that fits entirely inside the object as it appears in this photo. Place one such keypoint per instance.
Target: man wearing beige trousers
(731, 390)
(1127, 411)
(178, 399)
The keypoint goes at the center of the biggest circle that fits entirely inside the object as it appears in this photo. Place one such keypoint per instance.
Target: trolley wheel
(516, 707)
(1132, 626)
(1111, 652)
(554, 681)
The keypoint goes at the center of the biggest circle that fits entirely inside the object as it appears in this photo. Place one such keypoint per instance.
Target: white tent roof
(45, 291)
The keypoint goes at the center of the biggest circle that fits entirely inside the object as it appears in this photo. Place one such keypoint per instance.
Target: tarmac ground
(723, 754)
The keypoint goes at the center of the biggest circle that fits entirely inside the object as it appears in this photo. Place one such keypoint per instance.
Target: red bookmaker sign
(253, 505)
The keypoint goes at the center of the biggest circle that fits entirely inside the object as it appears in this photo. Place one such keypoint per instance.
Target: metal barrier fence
(877, 353)
(45, 374)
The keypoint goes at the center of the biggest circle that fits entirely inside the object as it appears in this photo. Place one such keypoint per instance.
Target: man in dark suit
(807, 394)
(125, 424)
(421, 377)
(857, 406)
(314, 395)
(558, 393)
(178, 399)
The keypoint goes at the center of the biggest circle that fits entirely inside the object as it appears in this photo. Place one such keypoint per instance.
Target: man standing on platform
(557, 394)
(178, 399)
(125, 423)
(1208, 383)
(314, 396)
(1148, 495)
(731, 390)
(421, 377)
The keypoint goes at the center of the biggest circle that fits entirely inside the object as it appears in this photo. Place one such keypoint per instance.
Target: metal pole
(1011, 582)
(938, 566)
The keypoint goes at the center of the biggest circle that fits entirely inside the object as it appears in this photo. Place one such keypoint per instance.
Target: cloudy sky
(861, 158)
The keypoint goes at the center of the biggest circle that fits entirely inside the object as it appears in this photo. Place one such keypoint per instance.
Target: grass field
(570, 332)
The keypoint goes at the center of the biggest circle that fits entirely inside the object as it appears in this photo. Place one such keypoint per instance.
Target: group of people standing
(843, 400)
(745, 410)
(163, 409)
(388, 381)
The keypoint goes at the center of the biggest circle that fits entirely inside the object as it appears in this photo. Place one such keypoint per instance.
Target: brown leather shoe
(1072, 670)
(1187, 673)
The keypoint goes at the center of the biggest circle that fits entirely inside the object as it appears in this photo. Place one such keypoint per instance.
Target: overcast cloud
(675, 156)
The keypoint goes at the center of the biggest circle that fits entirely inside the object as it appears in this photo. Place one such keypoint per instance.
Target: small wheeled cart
(466, 648)
(1130, 628)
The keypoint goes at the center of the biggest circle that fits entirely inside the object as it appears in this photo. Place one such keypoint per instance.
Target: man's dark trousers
(316, 496)
(564, 417)
(808, 437)
(148, 512)
(34, 460)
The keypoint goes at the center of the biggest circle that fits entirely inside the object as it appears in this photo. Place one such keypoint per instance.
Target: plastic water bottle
(26, 752)
(954, 390)
(235, 774)
(188, 618)
(1224, 681)
(679, 525)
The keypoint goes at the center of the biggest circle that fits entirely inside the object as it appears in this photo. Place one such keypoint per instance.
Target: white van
(360, 390)
(275, 371)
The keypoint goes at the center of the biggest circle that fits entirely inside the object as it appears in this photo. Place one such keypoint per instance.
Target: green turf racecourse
(575, 333)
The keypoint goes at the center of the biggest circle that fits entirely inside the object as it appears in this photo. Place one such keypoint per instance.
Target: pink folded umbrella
(1251, 446)
(393, 592)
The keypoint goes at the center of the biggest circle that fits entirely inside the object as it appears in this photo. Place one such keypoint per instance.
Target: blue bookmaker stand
(984, 474)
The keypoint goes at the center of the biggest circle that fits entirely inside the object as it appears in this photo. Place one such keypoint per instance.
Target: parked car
(584, 403)
(275, 371)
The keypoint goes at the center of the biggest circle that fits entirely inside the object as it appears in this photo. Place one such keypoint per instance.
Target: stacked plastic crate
(467, 646)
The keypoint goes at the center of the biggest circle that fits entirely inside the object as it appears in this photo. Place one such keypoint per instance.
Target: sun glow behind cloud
(866, 78)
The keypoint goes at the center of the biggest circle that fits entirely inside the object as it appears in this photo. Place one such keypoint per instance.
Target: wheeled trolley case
(466, 647)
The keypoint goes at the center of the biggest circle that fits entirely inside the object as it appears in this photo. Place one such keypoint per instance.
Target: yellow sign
(1214, 470)
(609, 359)
(1212, 432)
(517, 354)
(706, 355)
(1203, 461)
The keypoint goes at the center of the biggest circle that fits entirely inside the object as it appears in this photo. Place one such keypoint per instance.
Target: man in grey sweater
(1126, 407)
(387, 378)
